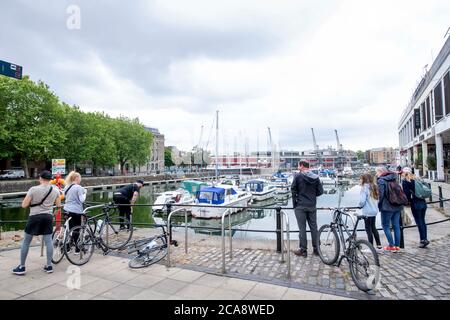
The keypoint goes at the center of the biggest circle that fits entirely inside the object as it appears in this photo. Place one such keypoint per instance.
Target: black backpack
(395, 194)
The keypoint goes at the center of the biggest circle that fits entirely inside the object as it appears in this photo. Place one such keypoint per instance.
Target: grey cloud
(129, 41)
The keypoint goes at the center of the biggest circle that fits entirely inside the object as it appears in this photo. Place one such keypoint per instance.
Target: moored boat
(260, 189)
(182, 196)
(216, 200)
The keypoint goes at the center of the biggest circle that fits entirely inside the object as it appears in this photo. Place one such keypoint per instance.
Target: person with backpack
(416, 191)
(40, 199)
(390, 203)
(369, 207)
(75, 196)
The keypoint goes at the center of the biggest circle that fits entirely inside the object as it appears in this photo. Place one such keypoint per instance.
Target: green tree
(132, 142)
(361, 155)
(30, 126)
(168, 157)
(99, 140)
(431, 163)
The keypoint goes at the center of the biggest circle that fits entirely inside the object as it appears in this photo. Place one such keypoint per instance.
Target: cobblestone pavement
(414, 273)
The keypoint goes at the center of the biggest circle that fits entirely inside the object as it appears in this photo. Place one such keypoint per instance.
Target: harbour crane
(316, 148)
(199, 145)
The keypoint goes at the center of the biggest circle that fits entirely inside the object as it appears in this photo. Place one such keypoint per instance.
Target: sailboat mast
(217, 144)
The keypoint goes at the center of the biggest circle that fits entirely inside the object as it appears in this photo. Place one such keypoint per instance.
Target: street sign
(59, 166)
(10, 70)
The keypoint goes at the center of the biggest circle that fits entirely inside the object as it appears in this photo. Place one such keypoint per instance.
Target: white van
(13, 174)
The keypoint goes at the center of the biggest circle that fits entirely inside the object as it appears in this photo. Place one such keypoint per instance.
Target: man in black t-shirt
(125, 198)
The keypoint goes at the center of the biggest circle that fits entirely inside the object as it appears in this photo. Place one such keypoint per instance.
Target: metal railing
(227, 212)
(169, 227)
(283, 213)
(281, 230)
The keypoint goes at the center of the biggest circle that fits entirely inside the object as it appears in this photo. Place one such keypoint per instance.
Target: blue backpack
(421, 189)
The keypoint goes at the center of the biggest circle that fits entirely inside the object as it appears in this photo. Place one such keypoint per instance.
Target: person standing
(75, 196)
(369, 207)
(305, 189)
(125, 198)
(40, 199)
(390, 213)
(418, 205)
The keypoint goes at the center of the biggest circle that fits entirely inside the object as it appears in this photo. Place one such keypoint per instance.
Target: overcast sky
(287, 65)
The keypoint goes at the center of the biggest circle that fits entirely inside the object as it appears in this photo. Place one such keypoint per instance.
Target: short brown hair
(304, 164)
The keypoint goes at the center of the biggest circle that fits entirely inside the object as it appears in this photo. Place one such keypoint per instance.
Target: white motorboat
(260, 189)
(217, 198)
(327, 180)
(282, 186)
(175, 197)
(184, 195)
(230, 181)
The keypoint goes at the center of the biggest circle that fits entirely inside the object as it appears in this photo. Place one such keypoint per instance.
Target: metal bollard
(185, 232)
(231, 236)
(278, 216)
(402, 238)
(169, 210)
(441, 203)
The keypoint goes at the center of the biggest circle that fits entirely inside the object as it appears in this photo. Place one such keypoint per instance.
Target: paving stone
(169, 286)
(121, 292)
(99, 286)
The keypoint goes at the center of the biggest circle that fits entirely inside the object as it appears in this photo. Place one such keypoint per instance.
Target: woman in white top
(369, 207)
(75, 196)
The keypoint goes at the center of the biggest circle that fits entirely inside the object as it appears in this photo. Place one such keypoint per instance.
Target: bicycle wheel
(364, 265)
(117, 233)
(329, 245)
(150, 255)
(79, 245)
(58, 245)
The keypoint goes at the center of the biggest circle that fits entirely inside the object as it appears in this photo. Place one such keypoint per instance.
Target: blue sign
(10, 70)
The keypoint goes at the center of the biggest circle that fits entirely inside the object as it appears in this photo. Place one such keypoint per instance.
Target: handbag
(406, 220)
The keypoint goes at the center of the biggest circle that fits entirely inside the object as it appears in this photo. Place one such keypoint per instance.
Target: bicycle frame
(98, 241)
(341, 227)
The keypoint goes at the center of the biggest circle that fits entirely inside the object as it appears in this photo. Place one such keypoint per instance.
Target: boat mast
(240, 156)
(217, 144)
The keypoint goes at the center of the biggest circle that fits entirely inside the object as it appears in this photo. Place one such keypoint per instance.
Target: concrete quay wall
(20, 186)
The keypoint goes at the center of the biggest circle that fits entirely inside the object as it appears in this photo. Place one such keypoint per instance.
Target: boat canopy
(255, 185)
(193, 186)
(212, 195)
(279, 174)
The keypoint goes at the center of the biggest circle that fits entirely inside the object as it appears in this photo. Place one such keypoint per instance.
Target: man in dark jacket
(389, 213)
(125, 198)
(305, 189)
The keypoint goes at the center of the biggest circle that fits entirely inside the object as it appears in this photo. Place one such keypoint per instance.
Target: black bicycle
(361, 255)
(149, 250)
(111, 233)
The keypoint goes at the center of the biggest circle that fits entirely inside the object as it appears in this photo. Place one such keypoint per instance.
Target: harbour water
(256, 218)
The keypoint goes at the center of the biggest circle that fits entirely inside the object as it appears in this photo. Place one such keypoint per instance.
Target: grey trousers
(310, 215)
(26, 245)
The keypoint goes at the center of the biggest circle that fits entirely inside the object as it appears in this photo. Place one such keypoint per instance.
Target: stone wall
(24, 185)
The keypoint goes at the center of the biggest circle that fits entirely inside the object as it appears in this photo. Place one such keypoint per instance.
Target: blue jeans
(388, 217)
(419, 217)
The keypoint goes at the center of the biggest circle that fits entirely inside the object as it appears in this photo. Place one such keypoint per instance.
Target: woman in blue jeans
(418, 205)
(390, 214)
